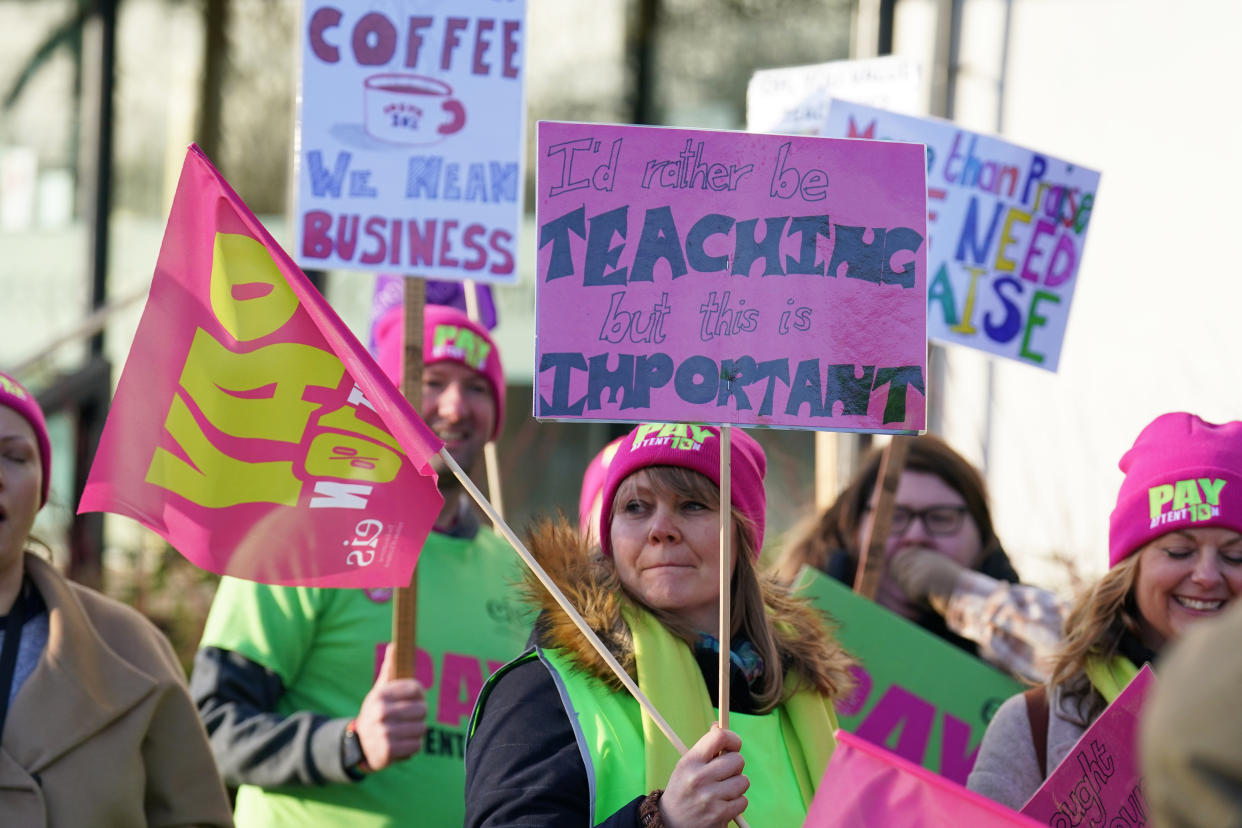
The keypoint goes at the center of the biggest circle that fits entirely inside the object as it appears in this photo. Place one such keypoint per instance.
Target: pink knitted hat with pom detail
(593, 483)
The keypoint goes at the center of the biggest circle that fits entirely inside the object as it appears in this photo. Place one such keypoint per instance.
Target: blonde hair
(1094, 629)
(805, 645)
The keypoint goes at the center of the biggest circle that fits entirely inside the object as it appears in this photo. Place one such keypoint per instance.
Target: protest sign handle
(875, 534)
(490, 460)
(726, 545)
(405, 599)
(564, 603)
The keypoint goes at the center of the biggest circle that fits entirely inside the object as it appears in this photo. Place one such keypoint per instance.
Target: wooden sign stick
(875, 537)
(564, 603)
(405, 599)
(726, 546)
(489, 448)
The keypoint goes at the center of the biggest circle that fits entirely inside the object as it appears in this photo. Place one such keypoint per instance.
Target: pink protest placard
(1099, 782)
(731, 278)
(250, 429)
(866, 785)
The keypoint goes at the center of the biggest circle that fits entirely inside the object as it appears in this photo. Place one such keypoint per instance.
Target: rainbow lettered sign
(411, 128)
(724, 277)
(250, 429)
(1007, 227)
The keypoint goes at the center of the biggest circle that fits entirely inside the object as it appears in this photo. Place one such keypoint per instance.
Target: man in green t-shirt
(295, 685)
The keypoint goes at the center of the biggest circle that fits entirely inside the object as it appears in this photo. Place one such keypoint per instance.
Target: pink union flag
(250, 429)
(864, 784)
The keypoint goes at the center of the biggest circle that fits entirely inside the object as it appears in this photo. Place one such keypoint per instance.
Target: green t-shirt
(326, 645)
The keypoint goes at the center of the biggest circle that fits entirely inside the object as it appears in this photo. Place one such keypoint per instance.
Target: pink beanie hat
(448, 336)
(593, 482)
(696, 448)
(1181, 473)
(23, 402)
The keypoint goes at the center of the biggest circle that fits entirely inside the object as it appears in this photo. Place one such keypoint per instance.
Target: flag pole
(564, 603)
(490, 460)
(405, 599)
(875, 535)
(726, 545)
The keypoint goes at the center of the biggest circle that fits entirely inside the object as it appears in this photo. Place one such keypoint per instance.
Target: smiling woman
(85, 682)
(556, 740)
(1175, 549)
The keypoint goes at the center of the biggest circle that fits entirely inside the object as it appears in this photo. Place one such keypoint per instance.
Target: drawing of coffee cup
(410, 109)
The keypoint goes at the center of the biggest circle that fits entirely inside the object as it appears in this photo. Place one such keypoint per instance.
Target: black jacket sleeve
(522, 761)
(253, 745)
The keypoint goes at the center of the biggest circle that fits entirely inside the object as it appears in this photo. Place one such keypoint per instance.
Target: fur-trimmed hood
(803, 635)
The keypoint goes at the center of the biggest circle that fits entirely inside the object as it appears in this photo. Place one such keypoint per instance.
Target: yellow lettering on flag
(240, 261)
(345, 418)
(212, 371)
(353, 458)
(216, 480)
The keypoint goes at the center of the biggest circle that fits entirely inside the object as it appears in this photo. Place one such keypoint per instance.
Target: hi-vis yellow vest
(1109, 679)
(607, 725)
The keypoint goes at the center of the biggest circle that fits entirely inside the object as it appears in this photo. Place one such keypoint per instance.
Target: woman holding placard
(556, 740)
(96, 725)
(1175, 557)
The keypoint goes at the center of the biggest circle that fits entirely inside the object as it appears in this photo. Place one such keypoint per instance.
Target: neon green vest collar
(787, 750)
(1110, 678)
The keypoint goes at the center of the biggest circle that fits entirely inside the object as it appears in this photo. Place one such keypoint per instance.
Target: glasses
(938, 521)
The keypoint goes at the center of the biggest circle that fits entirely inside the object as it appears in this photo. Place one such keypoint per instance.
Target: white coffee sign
(410, 135)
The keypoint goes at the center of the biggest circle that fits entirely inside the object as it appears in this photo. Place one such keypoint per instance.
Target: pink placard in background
(867, 785)
(725, 277)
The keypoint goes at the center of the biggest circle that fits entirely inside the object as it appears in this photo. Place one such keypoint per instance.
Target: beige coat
(103, 732)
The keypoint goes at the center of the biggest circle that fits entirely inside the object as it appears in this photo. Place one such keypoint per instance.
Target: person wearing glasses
(1175, 560)
(945, 569)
